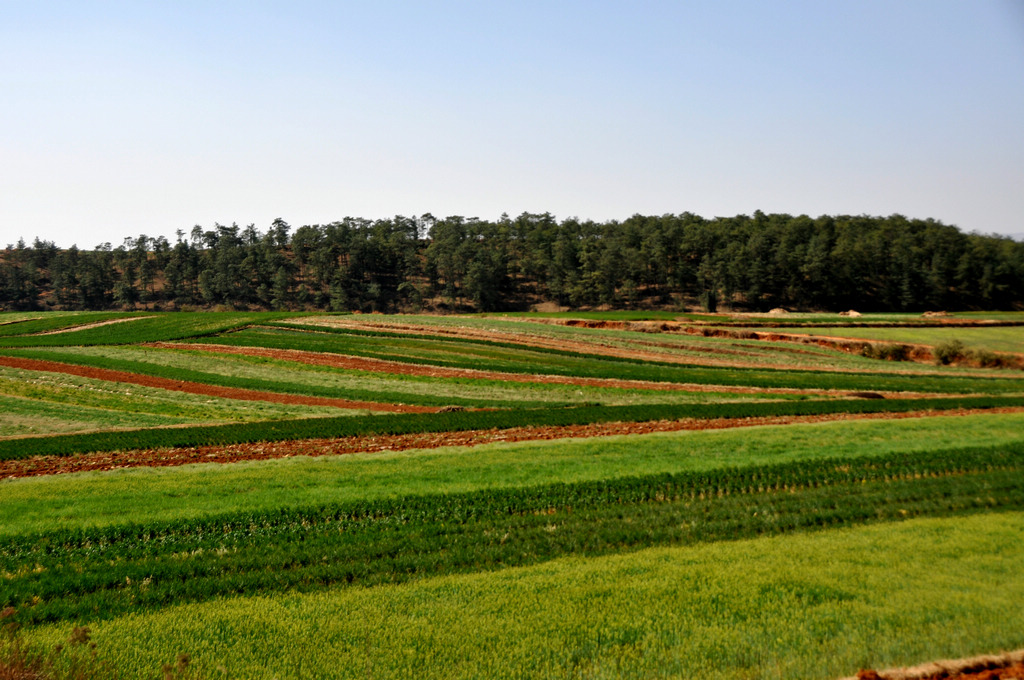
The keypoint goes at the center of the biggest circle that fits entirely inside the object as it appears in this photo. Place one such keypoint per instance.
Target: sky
(127, 118)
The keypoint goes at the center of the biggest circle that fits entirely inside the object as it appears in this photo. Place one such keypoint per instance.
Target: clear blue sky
(121, 118)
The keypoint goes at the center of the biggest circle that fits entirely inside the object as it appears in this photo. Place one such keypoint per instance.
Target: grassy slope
(32, 417)
(816, 605)
(150, 327)
(672, 344)
(819, 605)
(1009, 339)
(26, 323)
(761, 353)
(675, 346)
(445, 352)
(63, 391)
(99, 499)
(270, 374)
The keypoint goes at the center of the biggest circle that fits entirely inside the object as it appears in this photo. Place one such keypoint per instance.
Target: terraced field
(335, 496)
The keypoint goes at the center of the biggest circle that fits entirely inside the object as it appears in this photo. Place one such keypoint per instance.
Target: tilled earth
(1008, 666)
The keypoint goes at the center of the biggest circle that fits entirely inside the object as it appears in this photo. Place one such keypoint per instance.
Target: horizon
(125, 120)
(184, 234)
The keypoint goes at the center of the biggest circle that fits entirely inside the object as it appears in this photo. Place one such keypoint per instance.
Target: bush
(890, 352)
(949, 352)
(987, 359)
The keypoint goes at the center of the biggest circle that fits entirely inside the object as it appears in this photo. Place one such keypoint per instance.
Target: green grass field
(816, 605)
(799, 550)
(96, 499)
(999, 339)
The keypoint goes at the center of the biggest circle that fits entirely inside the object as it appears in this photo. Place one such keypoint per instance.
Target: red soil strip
(204, 389)
(1009, 666)
(50, 465)
(400, 368)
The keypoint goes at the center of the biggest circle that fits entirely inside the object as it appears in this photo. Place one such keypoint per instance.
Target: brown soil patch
(49, 465)
(400, 368)
(203, 389)
(988, 667)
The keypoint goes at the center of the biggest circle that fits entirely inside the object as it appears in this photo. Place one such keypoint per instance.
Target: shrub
(949, 352)
(986, 359)
(889, 352)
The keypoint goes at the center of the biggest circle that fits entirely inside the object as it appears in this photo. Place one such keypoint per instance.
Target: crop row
(254, 382)
(804, 605)
(524, 358)
(346, 426)
(444, 351)
(55, 322)
(461, 507)
(104, 572)
(141, 328)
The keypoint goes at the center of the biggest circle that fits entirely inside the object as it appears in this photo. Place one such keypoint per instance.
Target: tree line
(753, 262)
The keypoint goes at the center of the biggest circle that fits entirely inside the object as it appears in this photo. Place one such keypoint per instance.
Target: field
(281, 495)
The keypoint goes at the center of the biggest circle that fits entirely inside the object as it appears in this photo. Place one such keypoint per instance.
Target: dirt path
(400, 368)
(204, 389)
(50, 465)
(1008, 666)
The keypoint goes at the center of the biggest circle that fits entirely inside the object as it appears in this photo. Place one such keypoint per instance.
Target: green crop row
(156, 495)
(68, 393)
(150, 327)
(99, 573)
(65, 445)
(810, 605)
(520, 358)
(466, 506)
(45, 322)
(308, 382)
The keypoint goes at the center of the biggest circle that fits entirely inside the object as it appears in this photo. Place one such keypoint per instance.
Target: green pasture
(446, 420)
(996, 339)
(28, 323)
(21, 417)
(674, 346)
(95, 499)
(731, 350)
(71, 394)
(508, 357)
(143, 327)
(624, 556)
(294, 377)
(815, 605)
(102, 573)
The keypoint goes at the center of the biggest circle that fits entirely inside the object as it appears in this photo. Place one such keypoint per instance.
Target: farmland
(593, 495)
